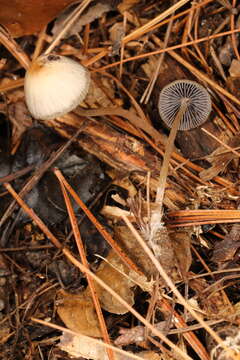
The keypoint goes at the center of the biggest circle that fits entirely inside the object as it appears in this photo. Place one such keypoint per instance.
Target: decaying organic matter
(111, 224)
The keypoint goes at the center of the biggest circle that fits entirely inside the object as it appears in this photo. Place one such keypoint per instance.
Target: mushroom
(183, 104)
(187, 96)
(55, 85)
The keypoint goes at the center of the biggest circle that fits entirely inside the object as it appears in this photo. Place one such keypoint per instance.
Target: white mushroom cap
(55, 85)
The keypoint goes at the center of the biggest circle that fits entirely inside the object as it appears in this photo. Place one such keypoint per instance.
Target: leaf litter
(193, 281)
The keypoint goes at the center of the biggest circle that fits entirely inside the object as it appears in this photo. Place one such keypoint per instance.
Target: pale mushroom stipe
(55, 85)
(183, 105)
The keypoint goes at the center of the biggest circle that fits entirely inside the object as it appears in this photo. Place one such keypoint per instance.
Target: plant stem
(164, 169)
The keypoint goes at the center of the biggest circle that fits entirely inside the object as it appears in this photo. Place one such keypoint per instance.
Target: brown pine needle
(82, 268)
(142, 30)
(88, 338)
(80, 246)
(229, 148)
(175, 291)
(72, 18)
(96, 223)
(202, 217)
(14, 48)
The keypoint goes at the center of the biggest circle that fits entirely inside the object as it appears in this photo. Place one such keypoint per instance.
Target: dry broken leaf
(26, 17)
(181, 241)
(229, 333)
(211, 300)
(77, 346)
(234, 69)
(130, 245)
(113, 275)
(78, 313)
(101, 92)
(20, 118)
(225, 250)
(127, 4)
(219, 159)
(116, 33)
(137, 334)
(150, 355)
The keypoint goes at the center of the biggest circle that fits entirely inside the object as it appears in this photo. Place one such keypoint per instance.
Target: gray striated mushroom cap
(199, 103)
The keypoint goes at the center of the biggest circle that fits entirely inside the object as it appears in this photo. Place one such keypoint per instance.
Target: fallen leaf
(112, 273)
(219, 159)
(78, 313)
(211, 301)
(150, 355)
(181, 241)
(234, 69)
(131, 247)
(226, 249)
(77, 346)
(26, 17)
(126, 5)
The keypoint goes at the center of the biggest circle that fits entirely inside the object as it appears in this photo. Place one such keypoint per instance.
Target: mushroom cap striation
(55, 85)
(189, 92)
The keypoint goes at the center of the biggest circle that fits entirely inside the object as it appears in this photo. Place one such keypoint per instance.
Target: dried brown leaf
(77, 346)
(113, 276)
(130, 245)
(150, 355)
(234, 69)
(225, 250)
(127, 4)
(211, 301)
(101, 92)
(181, 241)
(219, 159)
(26, 17)
(78, 313)
(136, 334)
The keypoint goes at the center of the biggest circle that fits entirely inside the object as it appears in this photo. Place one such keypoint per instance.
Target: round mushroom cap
(55, 85)
(198, 101)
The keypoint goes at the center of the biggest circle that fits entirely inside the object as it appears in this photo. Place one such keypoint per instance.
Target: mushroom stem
(167, 156)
